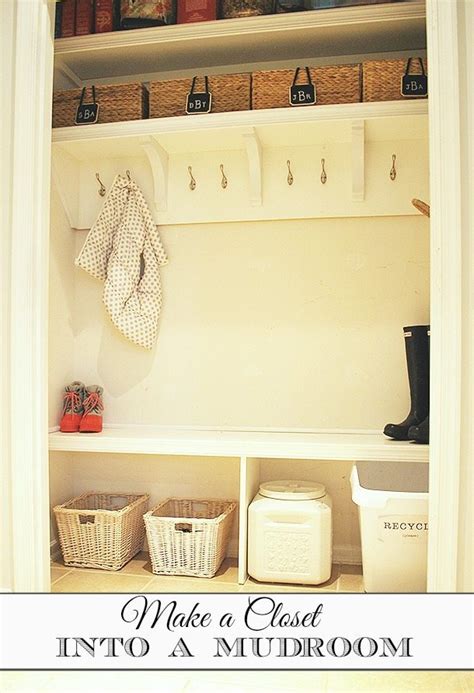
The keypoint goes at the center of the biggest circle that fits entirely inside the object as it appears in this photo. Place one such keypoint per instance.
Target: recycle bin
(393, 513)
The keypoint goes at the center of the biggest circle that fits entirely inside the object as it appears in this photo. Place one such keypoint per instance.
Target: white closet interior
(280, 352)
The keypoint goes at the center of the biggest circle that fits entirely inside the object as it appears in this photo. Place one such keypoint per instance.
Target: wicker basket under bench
(189, 537)
(101, 530)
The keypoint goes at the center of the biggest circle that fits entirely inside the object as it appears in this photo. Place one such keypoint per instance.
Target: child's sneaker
(72, 407)
(91, 421)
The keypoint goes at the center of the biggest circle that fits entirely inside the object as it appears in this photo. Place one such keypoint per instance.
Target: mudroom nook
(296, 257)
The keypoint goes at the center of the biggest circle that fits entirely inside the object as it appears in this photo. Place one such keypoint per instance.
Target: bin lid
(401, 477)
(292, 490)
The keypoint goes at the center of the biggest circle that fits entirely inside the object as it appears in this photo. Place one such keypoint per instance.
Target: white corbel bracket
(158, 160)
(254, 158)
(358, 160)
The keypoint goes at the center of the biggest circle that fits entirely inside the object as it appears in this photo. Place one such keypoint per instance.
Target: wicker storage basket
(333, 83)
(229, 93)
(117, 102)
(189, 537)
(382, 79)
(101, 530)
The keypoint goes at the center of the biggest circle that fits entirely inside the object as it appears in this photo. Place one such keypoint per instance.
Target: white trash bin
(393, 513)
(290, 533)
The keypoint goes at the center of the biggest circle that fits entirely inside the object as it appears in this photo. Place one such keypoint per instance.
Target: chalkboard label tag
(414, 85)
(199, 102)
(302, 95)
(87, 113)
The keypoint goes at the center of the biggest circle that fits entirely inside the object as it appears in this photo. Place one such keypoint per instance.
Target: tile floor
(137, 576)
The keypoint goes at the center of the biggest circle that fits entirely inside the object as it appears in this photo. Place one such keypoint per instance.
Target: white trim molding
(32, 69)
(446, 281)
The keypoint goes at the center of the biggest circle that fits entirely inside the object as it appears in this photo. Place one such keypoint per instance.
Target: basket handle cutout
(86, 519)
(185, 527)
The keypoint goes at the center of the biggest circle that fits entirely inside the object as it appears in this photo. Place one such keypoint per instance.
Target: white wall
(274, 324)
(61, 343)
(61, 308)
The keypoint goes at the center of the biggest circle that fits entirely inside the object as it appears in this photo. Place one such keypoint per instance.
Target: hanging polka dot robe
(124, 250)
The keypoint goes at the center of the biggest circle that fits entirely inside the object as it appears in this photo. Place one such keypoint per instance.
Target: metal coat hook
(324, 176)
(128, 176)
(393, 170)
(224, 180)
(290, 178)
(101, 190)
(192, 182)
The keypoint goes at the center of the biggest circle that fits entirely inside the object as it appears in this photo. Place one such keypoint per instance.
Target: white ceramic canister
(290, 533)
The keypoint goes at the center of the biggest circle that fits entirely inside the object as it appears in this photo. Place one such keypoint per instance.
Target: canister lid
(292, 490)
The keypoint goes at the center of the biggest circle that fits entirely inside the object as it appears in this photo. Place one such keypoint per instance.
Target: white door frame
(24, 440)
(28, 45)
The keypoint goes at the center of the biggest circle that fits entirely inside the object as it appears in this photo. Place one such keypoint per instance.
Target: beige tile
(169, 583)
(350, 579)
(140, 565)
(94, 581)
(57, 573)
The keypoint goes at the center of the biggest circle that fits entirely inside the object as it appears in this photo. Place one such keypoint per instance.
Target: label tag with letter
(414, 85)
(87, 113)
(302, 94)
(199, 102)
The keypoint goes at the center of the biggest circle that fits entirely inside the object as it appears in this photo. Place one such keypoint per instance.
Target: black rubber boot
(418, 364)
(421, 433)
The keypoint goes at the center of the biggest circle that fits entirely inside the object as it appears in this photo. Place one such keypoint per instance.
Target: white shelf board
(346, 31)
(214, 131)
(240, 443)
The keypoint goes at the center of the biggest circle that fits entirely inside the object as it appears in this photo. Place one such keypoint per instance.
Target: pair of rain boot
(417, 424)
(82, 408)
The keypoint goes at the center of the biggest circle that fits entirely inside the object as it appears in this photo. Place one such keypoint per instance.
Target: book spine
(104, 16)
(84, 17)
(196, 11)
(68, 18)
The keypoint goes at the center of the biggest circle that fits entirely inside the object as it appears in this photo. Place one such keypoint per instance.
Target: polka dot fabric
(124, 250)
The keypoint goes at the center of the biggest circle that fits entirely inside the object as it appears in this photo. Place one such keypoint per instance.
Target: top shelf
(257, 41)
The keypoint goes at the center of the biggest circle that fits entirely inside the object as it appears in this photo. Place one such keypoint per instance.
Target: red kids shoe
(72, 407)
(91, 421)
